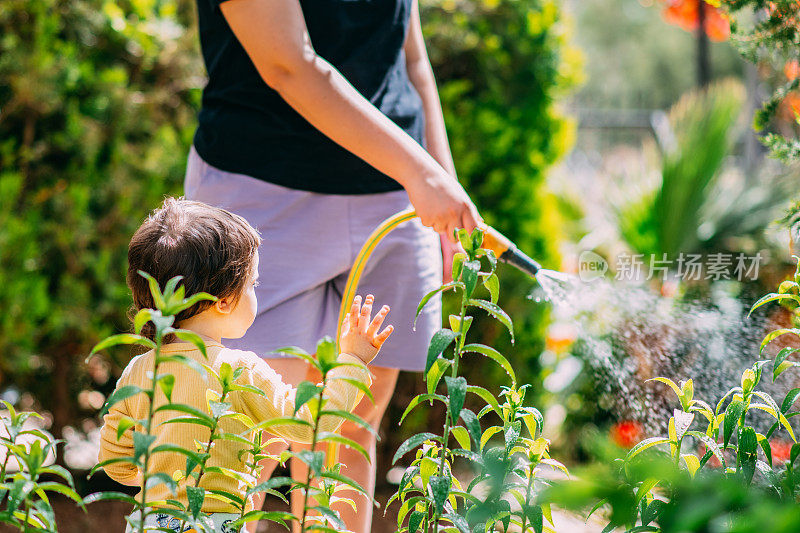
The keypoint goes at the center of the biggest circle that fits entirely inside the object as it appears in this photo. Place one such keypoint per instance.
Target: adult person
(319, 120)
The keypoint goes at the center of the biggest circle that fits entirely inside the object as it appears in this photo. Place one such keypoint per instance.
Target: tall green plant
(168, 303)
(431, 497)
(322, 482)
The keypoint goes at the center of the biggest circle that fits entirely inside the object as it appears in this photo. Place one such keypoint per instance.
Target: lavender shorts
(309, 243)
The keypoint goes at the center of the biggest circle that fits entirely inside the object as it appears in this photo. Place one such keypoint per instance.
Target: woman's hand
(442, 203)
(360, 335)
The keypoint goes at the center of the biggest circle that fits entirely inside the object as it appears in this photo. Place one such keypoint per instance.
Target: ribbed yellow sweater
(190, 388)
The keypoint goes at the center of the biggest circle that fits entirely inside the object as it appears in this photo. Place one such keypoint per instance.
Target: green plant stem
(148, 425)
(27, 515)
(313, 448)
(454, 373)
(527, 497)
(207, 452)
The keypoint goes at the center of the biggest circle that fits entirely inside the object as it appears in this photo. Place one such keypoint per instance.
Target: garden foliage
(717, 445)
(768, 32)
(97, 116)
(431, 495)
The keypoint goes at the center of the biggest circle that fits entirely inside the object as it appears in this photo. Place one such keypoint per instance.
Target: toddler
(217, 252)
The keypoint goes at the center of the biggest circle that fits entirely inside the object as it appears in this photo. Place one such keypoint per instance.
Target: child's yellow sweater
(190, 388)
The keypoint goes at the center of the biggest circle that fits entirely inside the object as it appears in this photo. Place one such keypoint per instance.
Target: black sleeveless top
(247, 128)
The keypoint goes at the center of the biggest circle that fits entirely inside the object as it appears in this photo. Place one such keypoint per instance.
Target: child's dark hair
(211, 248)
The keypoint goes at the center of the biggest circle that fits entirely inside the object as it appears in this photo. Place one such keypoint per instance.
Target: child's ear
(224, 305)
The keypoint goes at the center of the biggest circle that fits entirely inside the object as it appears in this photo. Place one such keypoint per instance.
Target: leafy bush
(97, 117)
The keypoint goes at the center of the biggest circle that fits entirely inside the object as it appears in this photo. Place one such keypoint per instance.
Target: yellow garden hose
(493, 240)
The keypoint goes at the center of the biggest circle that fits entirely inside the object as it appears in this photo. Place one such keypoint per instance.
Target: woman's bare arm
(274, 35)
(421, 75)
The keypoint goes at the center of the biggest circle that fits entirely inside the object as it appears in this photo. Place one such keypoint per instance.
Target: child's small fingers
(383, 335)
(378, 320)
(366, 311)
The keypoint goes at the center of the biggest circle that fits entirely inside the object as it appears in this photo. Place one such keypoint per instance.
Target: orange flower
(626, 433)
(560, 337)
(791, 69)
(790, 106)
(684, 14)
(781, 449)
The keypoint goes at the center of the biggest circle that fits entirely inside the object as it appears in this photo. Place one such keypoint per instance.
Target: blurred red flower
(684, 14)
(780, 450)
(627, 433)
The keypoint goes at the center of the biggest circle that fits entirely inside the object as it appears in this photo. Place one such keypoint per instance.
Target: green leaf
(439, 342)
(427, 297)
(126, 391)
(789, 400)
(772, 335)
(411, 443)
(415, 520)
(492, 284)
(339, 478)
(535, 517)
(188, 409)
(190, 301)
(141, 443)
(125, 423)
(155, 291)
(327, 436)
(495, 356)
(472, 424)
(644, 445)
(486, 396)
(109, 495)
(194, 338)
(141, 319)
(457, 390)
(314, 460)
(181, 359)
(748, 443)
(305, 391)
(732, 415)
(434, 375)
(459, 521)
(352, 417)
(439, 487)
(161, 478)
(780, 364)
(496, 312)
(771, 298)
(462, 437)
(196, 497)
(418, 399)
(326, 352)
(469, 276)
(122, 338)
(166, 383)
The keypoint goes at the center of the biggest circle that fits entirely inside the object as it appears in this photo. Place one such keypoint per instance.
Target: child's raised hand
(360, 335)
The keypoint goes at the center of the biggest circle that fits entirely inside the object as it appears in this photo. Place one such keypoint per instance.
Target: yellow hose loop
(352, 284)
(361, 261)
